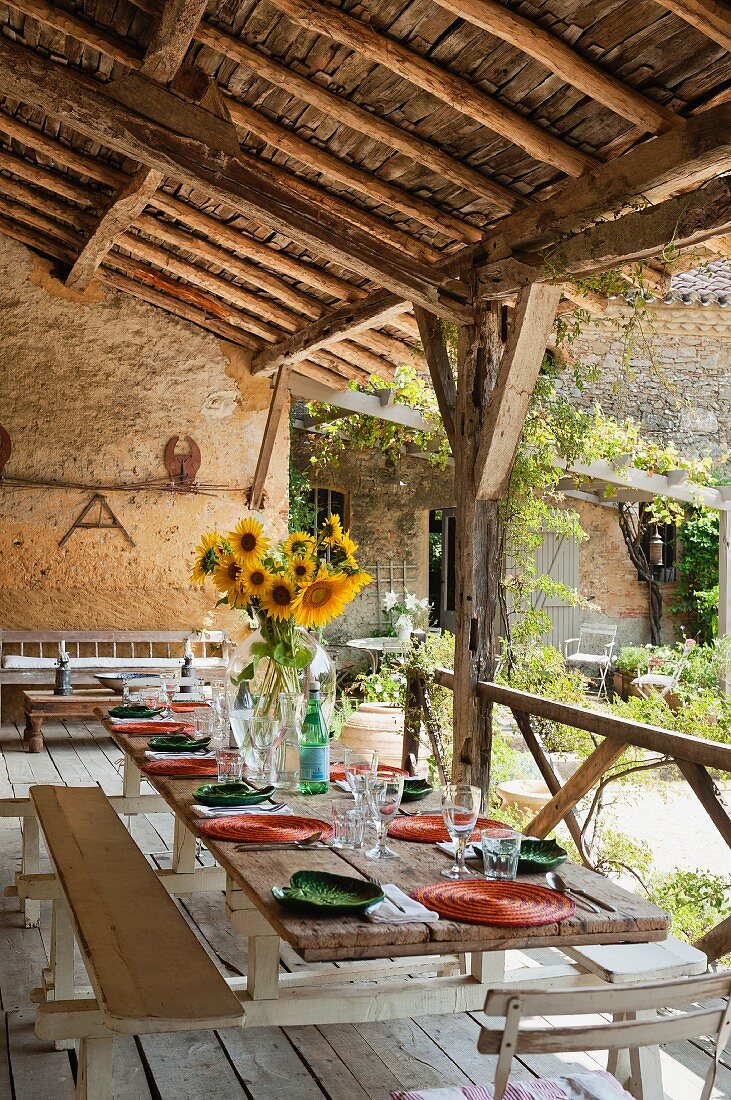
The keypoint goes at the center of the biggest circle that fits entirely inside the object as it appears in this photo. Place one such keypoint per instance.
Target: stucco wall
(93, 386)
(389, 521)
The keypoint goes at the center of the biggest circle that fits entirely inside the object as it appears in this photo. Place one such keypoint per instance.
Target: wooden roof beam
(566, 62)
(440, 370)
(710, 17)
(186, 153)
(172, 37)
(454, 90)
(277, 406)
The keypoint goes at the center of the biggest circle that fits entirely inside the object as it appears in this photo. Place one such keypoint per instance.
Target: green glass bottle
(314, 747)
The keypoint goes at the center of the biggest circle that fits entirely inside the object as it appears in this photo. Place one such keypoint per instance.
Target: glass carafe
(291, 712)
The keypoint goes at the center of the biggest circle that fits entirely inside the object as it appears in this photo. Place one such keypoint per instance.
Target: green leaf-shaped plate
(414, 789)
(129, 711)
(325, 894)
(540, 855)
(231, 794)
(179, 742)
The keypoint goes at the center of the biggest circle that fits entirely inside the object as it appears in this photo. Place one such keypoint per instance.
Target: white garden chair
(635, 1025)
(649, 683)
(594, 647)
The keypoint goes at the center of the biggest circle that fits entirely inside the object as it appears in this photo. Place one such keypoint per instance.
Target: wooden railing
(693, 756)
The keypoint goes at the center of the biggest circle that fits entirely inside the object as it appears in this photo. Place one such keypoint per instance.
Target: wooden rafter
(710, 17)
(533, 317)
(186, 154)
(454, 90)
(440, 369)
(277, 407)
(566, 62)
(170, 41)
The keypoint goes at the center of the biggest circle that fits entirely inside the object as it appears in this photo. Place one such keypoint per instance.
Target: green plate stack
(325, 894)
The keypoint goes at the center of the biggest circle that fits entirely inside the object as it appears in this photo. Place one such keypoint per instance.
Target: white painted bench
(148, 971)
(29, 656)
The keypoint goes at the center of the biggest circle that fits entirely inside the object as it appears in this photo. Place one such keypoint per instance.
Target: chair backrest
(690, 1020)
(607, 634)
(688, 647)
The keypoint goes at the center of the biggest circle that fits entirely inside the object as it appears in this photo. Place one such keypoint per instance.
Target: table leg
(262, 968)
(131, 777)
(183, 848)
(32, 734)
(487, 967)
(30, 864)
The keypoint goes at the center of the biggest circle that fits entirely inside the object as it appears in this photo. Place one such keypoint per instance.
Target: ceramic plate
(414, 789)
(179, 743)
(320, 892)
(127, 711)
(540, 855)
(231, 794)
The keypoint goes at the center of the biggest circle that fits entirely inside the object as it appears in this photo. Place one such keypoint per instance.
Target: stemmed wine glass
(384, 797)
(264, 731)
(460, 808)
(168, 687)
(360, 768)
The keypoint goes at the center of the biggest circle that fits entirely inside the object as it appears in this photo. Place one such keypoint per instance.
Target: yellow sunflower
(302, 569)
(298, 544)
(347, 545)
(278, 598)
(322, 599)
(248, 544)
(332, 531)
(208, 555)
(358, 580)
(227, 579)
(255, 579)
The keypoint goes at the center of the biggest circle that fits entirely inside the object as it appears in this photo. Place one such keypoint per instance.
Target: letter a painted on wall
(103, 518)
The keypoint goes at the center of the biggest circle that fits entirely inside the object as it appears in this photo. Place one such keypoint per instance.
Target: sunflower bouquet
(287, 588)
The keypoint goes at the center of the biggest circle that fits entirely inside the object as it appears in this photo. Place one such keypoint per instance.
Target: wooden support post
(590, 772)
(724, 594)
(30, 865)
(477, 554)
(277, 407)
(549, 777)
(708, 795)
(716, 943)
(440, 368)
(412, 724)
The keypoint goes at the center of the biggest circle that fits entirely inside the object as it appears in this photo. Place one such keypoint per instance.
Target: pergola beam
(710, 17)
(277, 407)
(172, 37)
(185, 153)
(440, 370)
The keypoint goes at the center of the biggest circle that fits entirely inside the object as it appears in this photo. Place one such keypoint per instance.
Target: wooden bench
(148, 971)
(29, 656)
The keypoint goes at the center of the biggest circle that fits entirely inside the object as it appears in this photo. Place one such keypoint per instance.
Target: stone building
(678, 388)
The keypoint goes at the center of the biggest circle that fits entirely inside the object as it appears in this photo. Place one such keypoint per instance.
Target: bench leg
(32, 733)
(183, 848)
(131, 776)
(62, 960)
(95, 1073)
(638, 1071)
(30, 864)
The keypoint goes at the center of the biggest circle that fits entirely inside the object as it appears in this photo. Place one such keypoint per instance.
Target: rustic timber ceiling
(377, 140)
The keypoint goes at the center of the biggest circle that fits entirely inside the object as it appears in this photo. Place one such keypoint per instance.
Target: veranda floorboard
(335, 1075)
(411, 1055)
(189, 1066)
(269, 1066)
(68, 761)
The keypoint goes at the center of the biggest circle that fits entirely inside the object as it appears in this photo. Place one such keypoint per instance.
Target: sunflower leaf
(262, 649)
(246, 673)
(302, 658)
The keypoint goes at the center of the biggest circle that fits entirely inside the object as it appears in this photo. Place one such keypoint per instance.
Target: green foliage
(634, 660)
(387, 685)
(702, 712)
(696, 597)
(344, 708)
(541, 670)
(696, 900)
(301, 509)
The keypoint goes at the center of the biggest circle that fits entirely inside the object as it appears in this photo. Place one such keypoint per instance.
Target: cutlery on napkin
(151, 755)
(237, 811)
(399, 908)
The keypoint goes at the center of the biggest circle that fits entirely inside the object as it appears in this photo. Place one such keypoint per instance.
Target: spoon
(556, 882)
(306, 842)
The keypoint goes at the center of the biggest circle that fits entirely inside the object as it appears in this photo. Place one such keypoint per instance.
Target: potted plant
(407, 612)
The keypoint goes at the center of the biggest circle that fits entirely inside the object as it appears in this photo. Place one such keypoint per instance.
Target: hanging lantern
(656, 549)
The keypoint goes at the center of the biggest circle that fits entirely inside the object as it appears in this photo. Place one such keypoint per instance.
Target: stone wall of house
(389, 521)
(93, 386)
(678, 384)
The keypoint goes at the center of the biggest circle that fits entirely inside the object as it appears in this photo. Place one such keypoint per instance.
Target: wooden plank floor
(339, 1062)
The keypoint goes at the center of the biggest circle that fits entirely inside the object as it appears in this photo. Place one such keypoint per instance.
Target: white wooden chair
(589, 651)
(630, 1028)
(649, 683)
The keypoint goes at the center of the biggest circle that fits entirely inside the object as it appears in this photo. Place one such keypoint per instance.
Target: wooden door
(558, 558)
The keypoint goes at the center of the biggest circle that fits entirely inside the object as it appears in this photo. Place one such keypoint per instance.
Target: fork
(376, 882)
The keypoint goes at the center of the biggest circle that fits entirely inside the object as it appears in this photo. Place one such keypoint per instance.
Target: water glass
(384, 799)
(500, 853)
(168, 688)
(460, 808)
(348, 825)
(360, 768)
(205, 723)
(264, 731)
(151, 698)
(230, 764)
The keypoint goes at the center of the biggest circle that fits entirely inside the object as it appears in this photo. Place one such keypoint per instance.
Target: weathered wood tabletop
(353, 937)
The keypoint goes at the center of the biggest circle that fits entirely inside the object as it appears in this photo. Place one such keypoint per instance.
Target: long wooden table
(477, 950)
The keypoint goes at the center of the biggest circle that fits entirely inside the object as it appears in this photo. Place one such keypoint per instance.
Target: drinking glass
(384, 798)
(291, 710)
(151, 698)
(205, 723)
(460, 807)
(500, 854)
(264, 731)
(168, 687)
(230, 763)
(360, 768)
(348, 825)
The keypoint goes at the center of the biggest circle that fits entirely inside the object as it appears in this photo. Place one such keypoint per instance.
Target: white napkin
(236, 811)
(472, 851)
(387, 912)
(179, 755)
(154, 718)
(344, 785)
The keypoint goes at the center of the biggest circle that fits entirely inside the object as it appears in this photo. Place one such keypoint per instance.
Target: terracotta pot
(378, 726)
(526, 794)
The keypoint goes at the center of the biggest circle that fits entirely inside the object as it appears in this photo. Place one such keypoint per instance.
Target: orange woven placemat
(262, 829)
(337, 771)
(148, 727)
(182, 769)
(186, 708)
(430, 828)
(518, 904)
